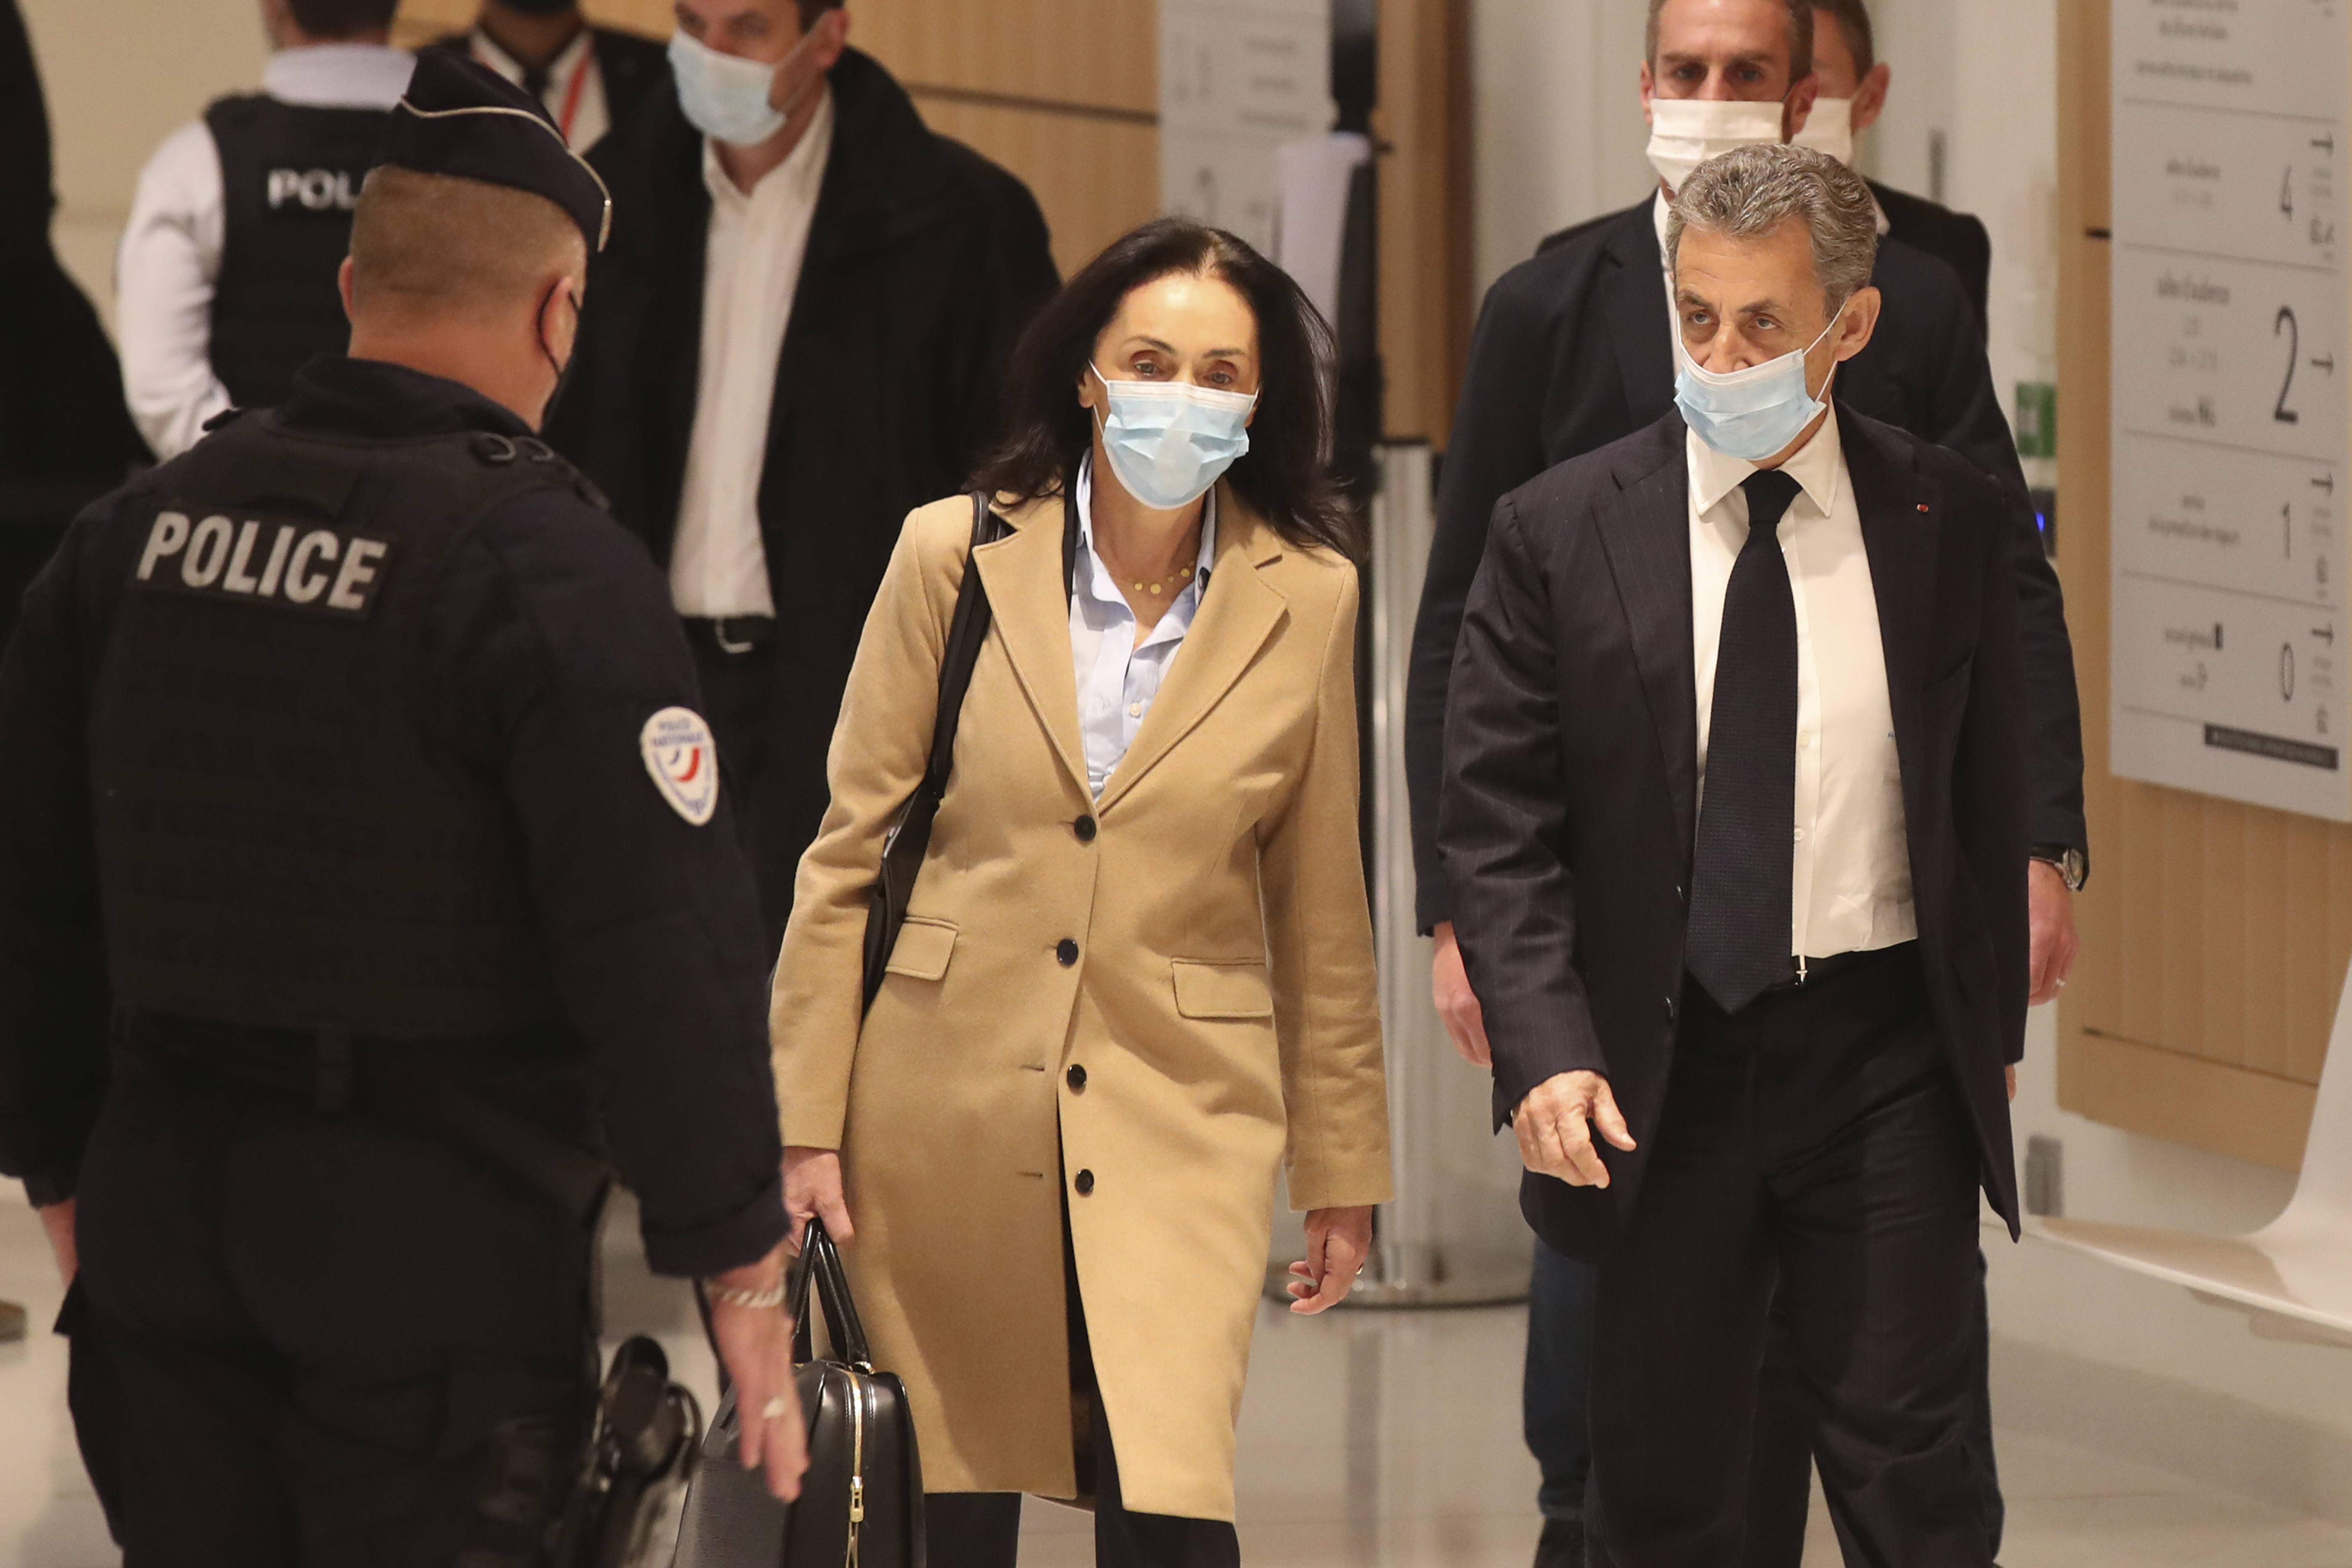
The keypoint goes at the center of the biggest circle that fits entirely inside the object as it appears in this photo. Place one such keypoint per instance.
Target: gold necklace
(1171, 582)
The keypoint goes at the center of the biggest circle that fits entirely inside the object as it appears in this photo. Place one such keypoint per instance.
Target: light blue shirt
(1118, 676)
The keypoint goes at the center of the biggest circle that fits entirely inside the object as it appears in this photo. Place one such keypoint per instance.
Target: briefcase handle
(820, 1263)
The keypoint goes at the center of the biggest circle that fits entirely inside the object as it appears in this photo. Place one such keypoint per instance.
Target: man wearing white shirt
(225, 284)
(1735, 819)
(590, 78)
(796, 339)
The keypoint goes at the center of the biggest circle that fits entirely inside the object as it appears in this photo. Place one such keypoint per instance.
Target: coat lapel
(1902, 515)
(1640, 327)
(1236, 617)
(1023, 574)
(1645, 528)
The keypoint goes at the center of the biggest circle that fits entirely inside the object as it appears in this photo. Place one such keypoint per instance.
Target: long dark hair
(1286, 477)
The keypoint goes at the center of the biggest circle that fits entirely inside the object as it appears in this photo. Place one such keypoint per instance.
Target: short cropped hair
(331, 19)
(1852, 18)
(447, 245)
(812, 9)
(1800, 38)
(1750, 191)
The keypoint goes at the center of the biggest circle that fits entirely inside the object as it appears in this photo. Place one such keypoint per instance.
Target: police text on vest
(297, 565)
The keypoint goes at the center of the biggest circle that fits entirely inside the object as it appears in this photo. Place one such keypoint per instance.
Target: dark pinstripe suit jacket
(1570, 787)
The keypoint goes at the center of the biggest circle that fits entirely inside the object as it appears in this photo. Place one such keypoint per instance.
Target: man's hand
(57, 1220)
(756, 1343)
(2050, 922)
(1555, 1123)
(813, 1189)
(1337, 1242)
(1449, 982)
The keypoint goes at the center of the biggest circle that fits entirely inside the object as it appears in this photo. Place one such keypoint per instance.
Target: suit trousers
(739, 701)
(983, 1529)
(1813, 1144)
(310, 1338)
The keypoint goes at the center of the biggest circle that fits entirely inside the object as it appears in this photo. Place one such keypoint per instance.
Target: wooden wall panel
(1422, 123)
(1095, 179)
(2215, 935)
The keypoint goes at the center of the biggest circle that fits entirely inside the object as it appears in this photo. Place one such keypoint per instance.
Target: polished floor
(1367, 1441)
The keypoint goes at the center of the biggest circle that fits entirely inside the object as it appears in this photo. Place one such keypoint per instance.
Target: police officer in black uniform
(364, 878)
(225, 278)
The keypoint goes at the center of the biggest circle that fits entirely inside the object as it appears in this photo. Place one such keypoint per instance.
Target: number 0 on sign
(2232, 433)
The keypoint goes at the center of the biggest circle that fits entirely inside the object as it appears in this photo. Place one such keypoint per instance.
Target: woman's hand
(813, 1191)
(1339, 1241)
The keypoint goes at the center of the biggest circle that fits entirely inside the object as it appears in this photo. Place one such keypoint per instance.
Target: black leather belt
(1805, 972)
(736, 634)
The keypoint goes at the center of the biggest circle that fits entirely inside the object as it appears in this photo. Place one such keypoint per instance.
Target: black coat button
(1077, 1080)
(1067, 953)
(1086, 1183)
(1085, 828)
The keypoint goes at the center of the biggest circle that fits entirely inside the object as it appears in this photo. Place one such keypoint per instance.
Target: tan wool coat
(1221, 1004)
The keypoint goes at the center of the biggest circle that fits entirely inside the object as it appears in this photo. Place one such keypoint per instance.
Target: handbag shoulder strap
(967, 631)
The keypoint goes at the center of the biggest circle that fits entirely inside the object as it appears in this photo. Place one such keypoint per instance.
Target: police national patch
(684, 761)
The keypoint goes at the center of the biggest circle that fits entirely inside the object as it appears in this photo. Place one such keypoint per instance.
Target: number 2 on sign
(2286, 322)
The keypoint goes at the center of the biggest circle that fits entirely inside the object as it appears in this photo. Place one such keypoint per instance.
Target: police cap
(464, 119)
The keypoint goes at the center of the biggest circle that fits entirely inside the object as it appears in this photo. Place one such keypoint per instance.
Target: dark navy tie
(1744, 866)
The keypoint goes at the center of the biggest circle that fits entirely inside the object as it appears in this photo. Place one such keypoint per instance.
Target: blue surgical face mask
(726, 96)
(1754, 413)
(1169, 441)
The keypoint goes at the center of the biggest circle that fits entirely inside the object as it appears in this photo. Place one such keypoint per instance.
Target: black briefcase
(861, 1503)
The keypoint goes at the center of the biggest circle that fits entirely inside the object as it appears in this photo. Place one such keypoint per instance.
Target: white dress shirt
(170, 257)
(1118, 676)
(719, 567)
(574, 95)
(1852, 887)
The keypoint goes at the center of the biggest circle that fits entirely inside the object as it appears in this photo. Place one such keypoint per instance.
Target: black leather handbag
(861, 1503)
(910, 836)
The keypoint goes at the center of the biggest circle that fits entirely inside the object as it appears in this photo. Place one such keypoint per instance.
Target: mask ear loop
(562, 372)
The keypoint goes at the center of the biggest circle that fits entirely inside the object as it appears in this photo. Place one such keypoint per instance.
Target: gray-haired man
(1735, 821)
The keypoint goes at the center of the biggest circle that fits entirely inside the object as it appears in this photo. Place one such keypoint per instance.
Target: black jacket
(924, 262)
(1957, 239)
(1575, 349)
(1571, 780)
(549, 646)
(66, 436)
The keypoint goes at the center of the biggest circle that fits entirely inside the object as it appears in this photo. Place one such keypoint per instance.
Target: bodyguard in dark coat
(923, 261)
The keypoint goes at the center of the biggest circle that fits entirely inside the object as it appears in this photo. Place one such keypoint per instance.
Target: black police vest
(292, 176)
(282, 844)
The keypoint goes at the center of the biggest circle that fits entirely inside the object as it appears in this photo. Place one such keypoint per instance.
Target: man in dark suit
(795, 340)
(590, 79)
(1574, 350)
(1739, 1061)
(1854, 82)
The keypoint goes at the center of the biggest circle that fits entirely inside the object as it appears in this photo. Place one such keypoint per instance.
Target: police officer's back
(364, 874)
(225, 283)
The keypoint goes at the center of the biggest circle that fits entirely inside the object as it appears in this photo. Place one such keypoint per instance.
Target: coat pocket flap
(1207, 990)
(923, 949)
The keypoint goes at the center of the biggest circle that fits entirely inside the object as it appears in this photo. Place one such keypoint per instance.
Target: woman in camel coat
(1137, 976)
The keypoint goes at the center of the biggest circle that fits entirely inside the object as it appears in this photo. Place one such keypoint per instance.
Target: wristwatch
(2072, 865)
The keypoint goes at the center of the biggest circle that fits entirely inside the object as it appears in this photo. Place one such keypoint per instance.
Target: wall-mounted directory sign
(2229, 663)
(1238, 78)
